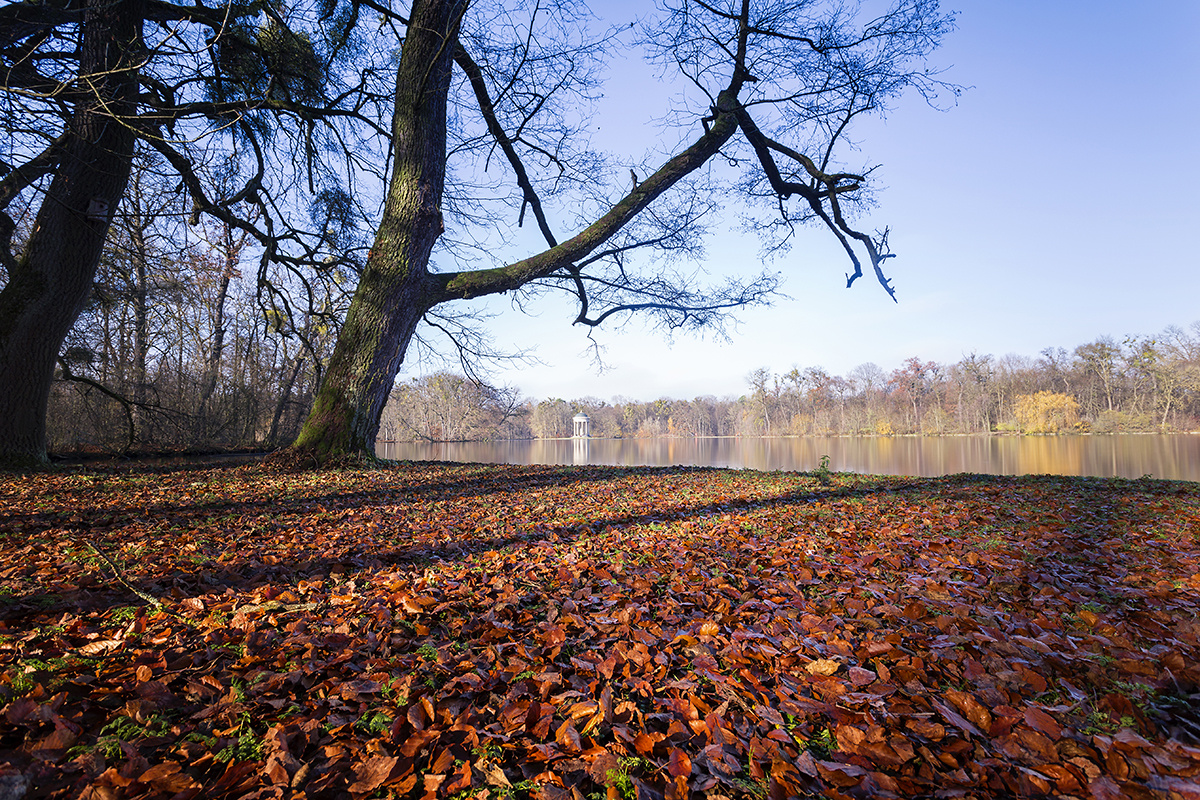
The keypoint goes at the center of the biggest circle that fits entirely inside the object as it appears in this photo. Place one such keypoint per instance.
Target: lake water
(1175, 456)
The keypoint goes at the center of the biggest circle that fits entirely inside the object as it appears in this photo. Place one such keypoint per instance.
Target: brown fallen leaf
(956, 719)
(1042, 722)
(372, 773)
(1089, 768)
(100, 647)
(492, 774)
(822, 666)
(841, 775)
(568, 738)
(168, 777)
(933, 731)
(970, 707)
(861, 677)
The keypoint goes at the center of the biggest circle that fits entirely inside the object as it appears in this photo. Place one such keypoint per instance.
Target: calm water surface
(1175, 456)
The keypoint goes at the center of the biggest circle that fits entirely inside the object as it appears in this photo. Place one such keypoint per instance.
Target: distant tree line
(444, 407)
(1141, 384)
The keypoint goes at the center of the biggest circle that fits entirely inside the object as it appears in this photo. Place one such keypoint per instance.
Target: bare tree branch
(529, 194)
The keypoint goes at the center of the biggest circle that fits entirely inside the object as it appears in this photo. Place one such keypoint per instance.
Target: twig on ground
(149, 598)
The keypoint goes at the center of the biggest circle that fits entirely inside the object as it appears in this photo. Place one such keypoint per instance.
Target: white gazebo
(582, 426)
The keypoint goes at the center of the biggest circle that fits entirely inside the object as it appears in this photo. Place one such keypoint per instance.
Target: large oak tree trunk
(394, 291)
(52, 278)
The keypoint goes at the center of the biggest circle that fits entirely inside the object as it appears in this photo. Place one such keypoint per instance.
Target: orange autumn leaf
(643, 743)
(678, 763)
(568, 738)
(971, 708)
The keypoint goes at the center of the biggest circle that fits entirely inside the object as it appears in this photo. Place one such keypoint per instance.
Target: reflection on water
(1130, 456)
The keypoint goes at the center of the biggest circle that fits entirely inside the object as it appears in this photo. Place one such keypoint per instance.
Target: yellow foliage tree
(1046, 412)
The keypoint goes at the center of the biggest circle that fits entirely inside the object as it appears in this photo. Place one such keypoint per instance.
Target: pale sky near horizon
(1055, 204)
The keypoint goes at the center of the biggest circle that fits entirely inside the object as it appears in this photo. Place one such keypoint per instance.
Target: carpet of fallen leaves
(472, 631)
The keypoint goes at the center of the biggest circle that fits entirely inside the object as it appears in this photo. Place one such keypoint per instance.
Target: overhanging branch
(831, 188)
(478, 283)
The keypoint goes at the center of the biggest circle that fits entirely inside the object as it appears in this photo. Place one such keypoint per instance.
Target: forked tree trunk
(281, 402)
(394, 291)
(52, 278)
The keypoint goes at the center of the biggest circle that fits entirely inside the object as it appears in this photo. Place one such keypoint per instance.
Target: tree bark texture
(51, 280)
(394, 291)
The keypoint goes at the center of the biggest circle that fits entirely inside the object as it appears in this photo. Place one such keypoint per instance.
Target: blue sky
(1056, 203)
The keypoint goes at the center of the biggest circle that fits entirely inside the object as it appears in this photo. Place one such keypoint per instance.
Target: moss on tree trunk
(394, 291)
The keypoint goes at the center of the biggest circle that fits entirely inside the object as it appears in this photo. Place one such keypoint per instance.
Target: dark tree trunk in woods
(394, 291)
(52, 278)
(212, 365)
(139, 278)
(285, 395)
